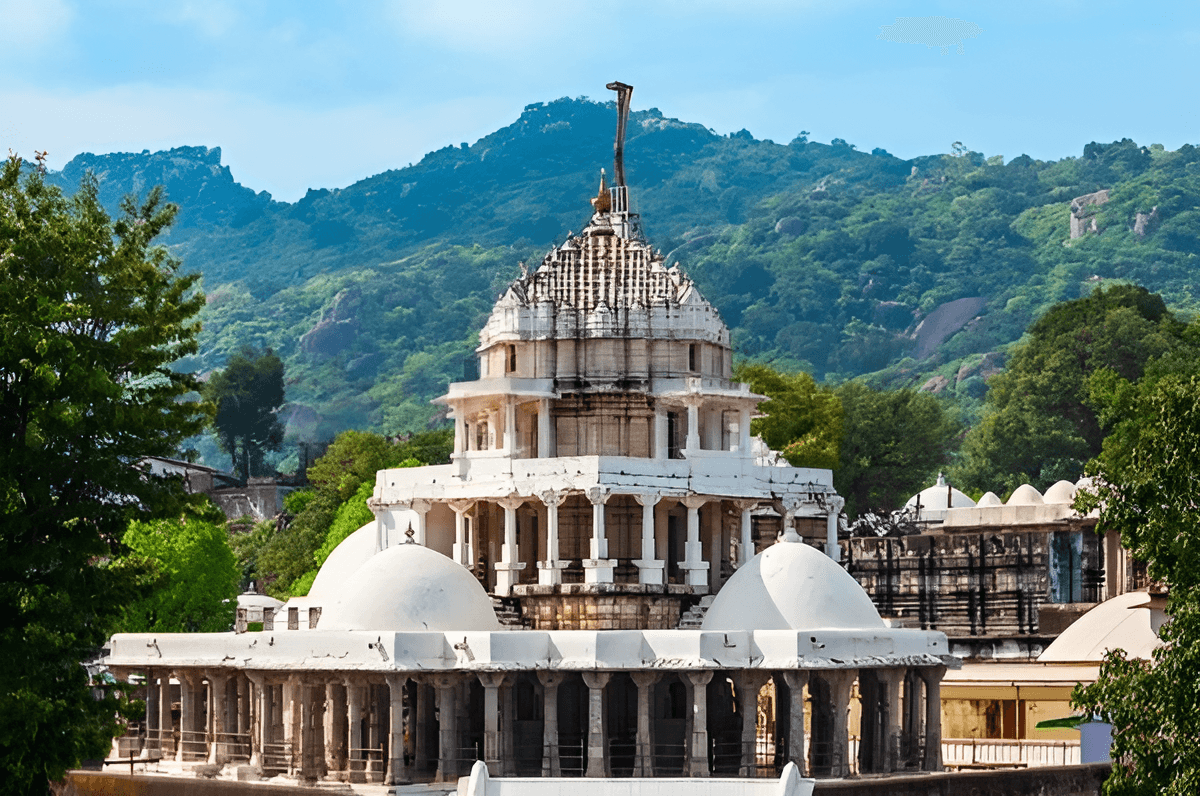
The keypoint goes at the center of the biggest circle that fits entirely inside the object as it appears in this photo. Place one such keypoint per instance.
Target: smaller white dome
(791, 586)
(989, 499)
(1025, 495)
(410, 587)
(1061, 492)
(353, 551)
(939, 497)
(1124, 622)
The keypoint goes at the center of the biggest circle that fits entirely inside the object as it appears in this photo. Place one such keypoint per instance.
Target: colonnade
(404, 726)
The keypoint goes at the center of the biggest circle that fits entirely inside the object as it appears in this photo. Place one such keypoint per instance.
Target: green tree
(198, 577)
(893, 443)
(248, 395)
(1038, 425)
(92, 316)
(803, 420)
(1147, 489)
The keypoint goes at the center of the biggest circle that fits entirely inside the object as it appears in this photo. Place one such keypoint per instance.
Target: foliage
(892, 445)
(1040, 426)
(1146, 488)
(198, 585)
(92, 316)
(803, 421)
(248, 395)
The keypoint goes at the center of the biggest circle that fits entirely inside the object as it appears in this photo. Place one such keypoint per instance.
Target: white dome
(1025, 495)
(989, 499)
(410, 587)
(353, 551)
(1061, 492)
(936, 497)
(791, 586)
(1124, 622)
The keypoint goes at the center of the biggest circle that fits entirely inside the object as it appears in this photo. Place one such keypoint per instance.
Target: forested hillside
(819, 257)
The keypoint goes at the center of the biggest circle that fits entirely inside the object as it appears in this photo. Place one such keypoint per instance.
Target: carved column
(397, 772)
(744, 431)
(550, 570)
(693, 429)
(291, 721)
(890, 680)
(694, 565)
(153, 712)
(598, 568)
(661, 442)
(749, 683)
(746, 539)
(545, 430)
(510, 426)
(509, 566)
(165, 720)
(932, 676)
(354, 740)
(796, 680)
(597, 741)
(259, 725)
(698, 755)
(461, 552)
(187, 704)
(840, 683)
(550, 680)
(218, 710)
(447, 686)
(243, 712)
(650, 568)
(335, 727)
(508, 727)
(644, 762)
(835, 504)
(491, 719)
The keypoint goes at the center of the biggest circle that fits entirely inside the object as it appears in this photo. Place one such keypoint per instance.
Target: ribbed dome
(410, 587)
(791, 586)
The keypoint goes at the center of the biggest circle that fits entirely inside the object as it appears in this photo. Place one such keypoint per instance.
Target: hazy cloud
(943, 32)
(30, 24)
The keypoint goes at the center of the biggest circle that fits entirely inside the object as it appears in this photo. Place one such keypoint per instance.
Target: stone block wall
(602, 611)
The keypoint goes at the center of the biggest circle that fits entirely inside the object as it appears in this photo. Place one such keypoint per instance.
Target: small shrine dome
(1128, 621)
(791, 586)
(934, 501)
(1025, 495)
(410, 587)
(1061, 492)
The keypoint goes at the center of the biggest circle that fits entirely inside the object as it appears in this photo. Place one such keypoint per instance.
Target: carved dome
(410, 587)
(791, 586)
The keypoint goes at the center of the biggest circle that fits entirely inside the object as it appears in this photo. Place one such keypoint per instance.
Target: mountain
(907, 272)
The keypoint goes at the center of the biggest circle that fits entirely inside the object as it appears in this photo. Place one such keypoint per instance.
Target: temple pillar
(698, 753)
(662, 444)
(835, 504)
(243, 711)
(796, 680)
(932, 677)
(693, 429)
(462, 552)
(550, 680)
(153, 712)
(354, 740)
(259, 726)
(598, 568)
(510, 427)
(217, 710)
(545, 428)
(491, 719)
(840, 683)
(749, 683)
(460, 432)
(448, 752)
(597, 737)
(165, 719)
(187, 704)
(650, 568)
(335, 727)
(694, 565)
(744, 431)
(423, 715)
(509, 566)
(550, 570)
(508, 713)
(397, 773)
(890, 680)
(644, 762)
(291, 721)
(746, 537)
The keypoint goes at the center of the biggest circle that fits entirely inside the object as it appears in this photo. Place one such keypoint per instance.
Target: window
(512, 359)
(673, 434)
(692, 357)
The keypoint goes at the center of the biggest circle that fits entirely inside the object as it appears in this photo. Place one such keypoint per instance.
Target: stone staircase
(694, 617)
(509, 613)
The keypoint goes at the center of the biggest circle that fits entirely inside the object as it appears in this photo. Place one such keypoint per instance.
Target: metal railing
(1007, 753)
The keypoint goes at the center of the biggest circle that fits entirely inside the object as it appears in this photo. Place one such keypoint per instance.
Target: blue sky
(319, 94)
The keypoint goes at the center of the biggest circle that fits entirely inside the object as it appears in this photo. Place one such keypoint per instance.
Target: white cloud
(30, 24)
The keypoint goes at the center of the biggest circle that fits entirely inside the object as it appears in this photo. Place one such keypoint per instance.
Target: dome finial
(410, 537)
(603, 200)
(941, 480)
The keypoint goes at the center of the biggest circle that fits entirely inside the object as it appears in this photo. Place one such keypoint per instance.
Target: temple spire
(624, 92)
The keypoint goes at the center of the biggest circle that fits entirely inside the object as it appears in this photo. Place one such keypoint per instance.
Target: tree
(1147, 489)
(198, 579)
(893, 443)
(248, 395)
(803, 421)
(1039, 426)
(92, 315)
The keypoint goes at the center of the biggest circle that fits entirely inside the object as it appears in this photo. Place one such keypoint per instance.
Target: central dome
(410, 587)
(791, 586)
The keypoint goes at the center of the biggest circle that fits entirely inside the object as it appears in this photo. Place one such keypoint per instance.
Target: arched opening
(724, 726)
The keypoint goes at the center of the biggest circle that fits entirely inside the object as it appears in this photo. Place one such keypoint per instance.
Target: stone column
(693, 430)
(744, 431)
(313, 738)
(835, 504)
(550, 570)
(746, 539)
(796, 680)
(749, 682)
(153, 712)
(545, 430)
(243, 712)
(650, 568)
(597, 740)
(550, 680)
(890, 680)
(460, 432)
(461, 552)
(491, 719)
(397, 773)
(260, 722)
(508, 727)
(932, 677)
(509, 566)
(510, 426)
(840, 682)
(335, 727)
(218, 710)
(423, 715)
(661, 442)
(187, 704)
(644, 762)
(165, 720)
(354, 741)
(291, 721)
(694, 565)
(698, 756)
(448, 752)
(598, 568)
(491, 428)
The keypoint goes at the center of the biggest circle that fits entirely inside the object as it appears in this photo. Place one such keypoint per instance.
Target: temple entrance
(572, 726)
(620, 707)
(724, 727)
(668, 726)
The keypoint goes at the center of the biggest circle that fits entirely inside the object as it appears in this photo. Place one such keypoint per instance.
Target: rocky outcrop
(944, 321)
(1144, 222)
(935, 384)
(1083, 212)
(336, 331)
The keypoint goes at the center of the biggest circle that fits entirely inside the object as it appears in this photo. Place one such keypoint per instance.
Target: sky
(305, 94)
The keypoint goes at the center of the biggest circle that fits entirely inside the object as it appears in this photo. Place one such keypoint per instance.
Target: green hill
(843, 263)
